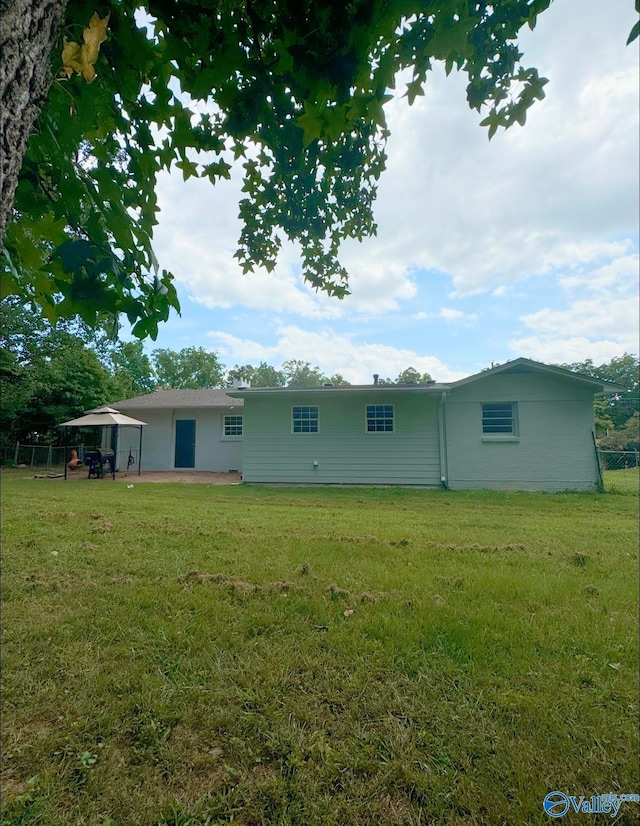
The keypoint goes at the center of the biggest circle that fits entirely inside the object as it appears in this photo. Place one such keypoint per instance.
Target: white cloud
(593, 318)
(566, 350)
(197, 243)
(619, 277)
(333, 353)
(600, 323)
(555, 199)
(603, 319)
(449, 314)
(242, 350)
(536, 199)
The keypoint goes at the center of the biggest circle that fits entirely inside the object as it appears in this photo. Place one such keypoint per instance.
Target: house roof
(386, 388)
(160, 399)
(229, 398)
(523, 365)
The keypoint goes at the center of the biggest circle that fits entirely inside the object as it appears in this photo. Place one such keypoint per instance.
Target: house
(188, 429)
(520, 425)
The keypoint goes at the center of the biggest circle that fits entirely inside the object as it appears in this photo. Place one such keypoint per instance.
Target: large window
(232, 426)
(379, 418)
(305, 419)
(499, 417)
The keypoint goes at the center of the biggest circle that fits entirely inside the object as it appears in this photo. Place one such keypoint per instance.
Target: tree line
(50, 373)
(617, 418)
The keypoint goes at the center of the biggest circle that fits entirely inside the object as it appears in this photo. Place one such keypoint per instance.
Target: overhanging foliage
(293, 91)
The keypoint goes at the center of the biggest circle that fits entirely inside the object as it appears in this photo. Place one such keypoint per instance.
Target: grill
(98, 460)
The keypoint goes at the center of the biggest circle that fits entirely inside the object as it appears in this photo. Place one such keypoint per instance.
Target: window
(233, 426)
(305, 419)
(499, 418)
(379, 418)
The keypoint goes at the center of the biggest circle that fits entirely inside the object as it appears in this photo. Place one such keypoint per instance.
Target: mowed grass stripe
(180, 654)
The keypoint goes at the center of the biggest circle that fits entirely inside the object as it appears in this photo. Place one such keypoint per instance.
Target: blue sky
(523, 246)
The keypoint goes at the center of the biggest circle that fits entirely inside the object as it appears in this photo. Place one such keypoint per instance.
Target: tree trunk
(29, 31)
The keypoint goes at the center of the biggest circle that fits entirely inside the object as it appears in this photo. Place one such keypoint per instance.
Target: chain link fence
(41, 457)
(620, 468)
(620, 471)
(53, 459)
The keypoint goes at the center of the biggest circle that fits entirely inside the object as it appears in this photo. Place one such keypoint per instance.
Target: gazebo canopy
(107, 417)
(102, 416)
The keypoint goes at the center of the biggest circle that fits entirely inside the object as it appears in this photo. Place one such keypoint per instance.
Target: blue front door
(185, 443)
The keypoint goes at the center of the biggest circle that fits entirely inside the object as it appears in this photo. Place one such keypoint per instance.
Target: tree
(293, 90)
(412, 376)
(407, 376)
(338, 380)
(619, 407)
(47, 375)
(132, 366)
(626, 438)
(301, 374)
(70, 380)
(188, 369)
(264, 375)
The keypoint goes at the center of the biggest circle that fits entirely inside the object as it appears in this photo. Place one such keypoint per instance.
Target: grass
(625, 480)
(185, 655)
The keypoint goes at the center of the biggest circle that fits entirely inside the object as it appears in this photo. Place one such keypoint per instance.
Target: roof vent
(328, 384)
(241, 384)
(376, 376)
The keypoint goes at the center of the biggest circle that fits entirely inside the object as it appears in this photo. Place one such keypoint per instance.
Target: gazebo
(107, 417)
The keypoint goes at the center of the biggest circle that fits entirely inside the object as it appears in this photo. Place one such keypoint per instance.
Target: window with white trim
(305, 419)
(232, 426)
(379, 418)
(499, 418)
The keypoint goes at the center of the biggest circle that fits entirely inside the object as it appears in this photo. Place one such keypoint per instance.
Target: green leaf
(189, 169)
(311, 125)
(75, 255)
(414, 89)
(9, 284)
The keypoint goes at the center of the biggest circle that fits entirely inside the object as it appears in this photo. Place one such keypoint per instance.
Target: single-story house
(520, 425)
(188, 430)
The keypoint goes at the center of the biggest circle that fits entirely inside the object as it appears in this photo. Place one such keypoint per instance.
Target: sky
(526, 245)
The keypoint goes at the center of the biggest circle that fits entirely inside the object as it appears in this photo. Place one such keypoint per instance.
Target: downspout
(600, 482)
(442, 432)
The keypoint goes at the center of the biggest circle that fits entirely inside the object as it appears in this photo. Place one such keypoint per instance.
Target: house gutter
(442, 432)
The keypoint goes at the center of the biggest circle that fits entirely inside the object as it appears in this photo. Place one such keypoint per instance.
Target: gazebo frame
(107, 417)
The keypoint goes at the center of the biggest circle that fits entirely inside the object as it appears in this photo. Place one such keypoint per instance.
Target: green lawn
(626, 480)
(193, 655)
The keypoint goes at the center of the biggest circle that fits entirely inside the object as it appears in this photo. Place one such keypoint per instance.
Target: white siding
(552, 449)
(214, 451)
(345, 453)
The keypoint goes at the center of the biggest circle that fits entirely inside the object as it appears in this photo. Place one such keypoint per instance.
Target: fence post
(600, 484)
(16, 454)
(50, 457)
